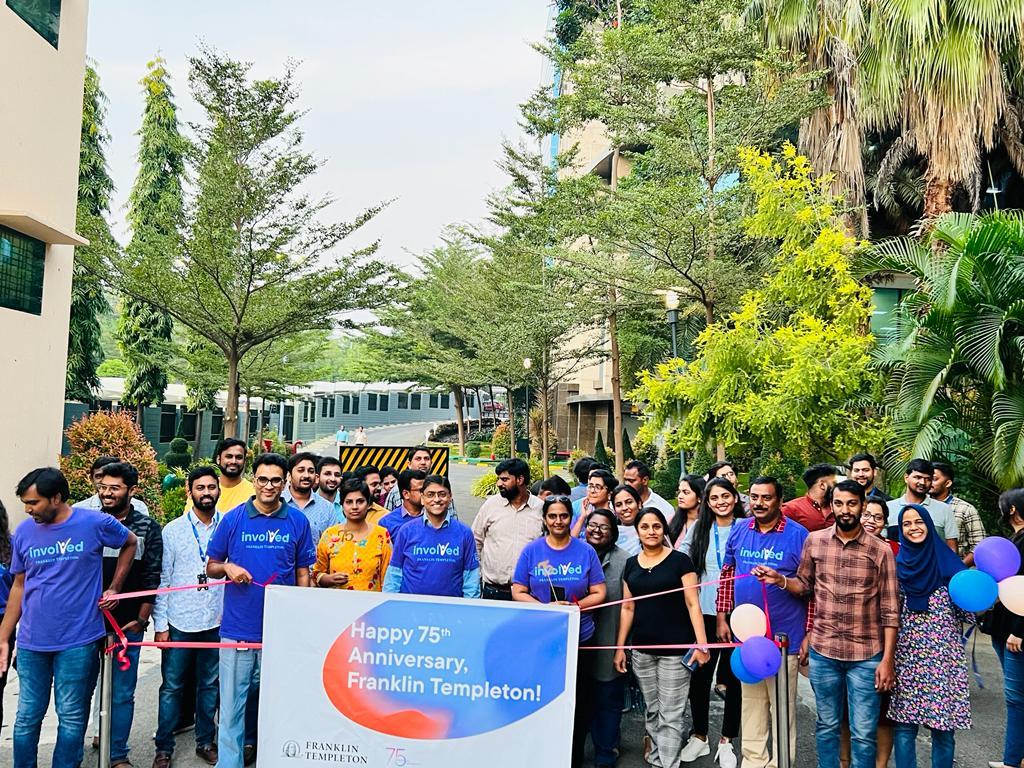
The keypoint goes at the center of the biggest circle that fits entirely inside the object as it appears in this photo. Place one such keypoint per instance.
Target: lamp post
(527, 365)
(672, 316)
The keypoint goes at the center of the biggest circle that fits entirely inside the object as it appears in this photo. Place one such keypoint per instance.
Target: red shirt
(809, 513)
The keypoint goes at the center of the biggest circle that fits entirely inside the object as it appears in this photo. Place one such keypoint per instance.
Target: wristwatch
(143, 624)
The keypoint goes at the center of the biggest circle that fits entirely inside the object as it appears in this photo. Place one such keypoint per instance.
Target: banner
(364, 678)
(352, 457)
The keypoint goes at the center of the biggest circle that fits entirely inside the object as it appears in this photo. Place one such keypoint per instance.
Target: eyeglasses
(436, 495)
(273, 482)
(595, 487)
(599, 528)
(110, 488)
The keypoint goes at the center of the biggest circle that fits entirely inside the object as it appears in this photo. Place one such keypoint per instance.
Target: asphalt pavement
(974, 748)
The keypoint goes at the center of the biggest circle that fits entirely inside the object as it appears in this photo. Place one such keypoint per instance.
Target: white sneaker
(725, 756)
(694, 748)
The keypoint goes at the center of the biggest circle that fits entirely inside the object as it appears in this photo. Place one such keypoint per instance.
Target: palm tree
(956, 365)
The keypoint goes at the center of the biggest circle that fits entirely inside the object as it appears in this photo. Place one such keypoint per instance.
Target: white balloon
(748, 621)
(1011, 594)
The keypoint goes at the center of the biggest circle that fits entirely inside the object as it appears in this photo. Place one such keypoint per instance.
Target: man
(371, 476)
(768, 539)
(419, 460)
(57, 562)
(328, 472)
(435, 557)
(864, 470)
(93, 502)
(264, 540)
(918, 480)
(727, 470)
(581, 470)
(968, 521)
(361, 438)
(117, 486)
(638, 475)
(191, 616)
(506, 523)
(811, 510)
(341, 437)
(410, 487)
(388, 480)
(852, 577)
(229, 456)
(302, 479)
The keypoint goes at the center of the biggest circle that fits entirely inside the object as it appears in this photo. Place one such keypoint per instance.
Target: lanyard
(718, 547)
(195, 532)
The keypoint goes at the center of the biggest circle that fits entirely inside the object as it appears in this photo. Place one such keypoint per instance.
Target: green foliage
(472, 450)
(107, 433)
(627, 447)
(114, 368)
(665, 480)
(277, 444)
(645, 450)
(536, 425)
(600, 452)
(180, 454)
(791, 369)
(172, 504)
(501, 443)
(487, 484)
(786, 469)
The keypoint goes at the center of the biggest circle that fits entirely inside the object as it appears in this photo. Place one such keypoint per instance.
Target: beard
(232, 471)
(847, 524)
(205, 503)
(508, 493)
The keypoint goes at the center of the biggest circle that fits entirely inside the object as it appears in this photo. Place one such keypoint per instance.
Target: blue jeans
(239, 672)
(840, 685)
(122, 701)
(1013, 689)
(174, 666)
(252, 716)
(72, 673)
(607, 719)
(905, 746)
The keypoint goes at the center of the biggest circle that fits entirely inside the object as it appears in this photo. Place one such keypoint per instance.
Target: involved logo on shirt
(60, 550)
(765, 553)
(273, 538)
(545, 569)
(438, 551)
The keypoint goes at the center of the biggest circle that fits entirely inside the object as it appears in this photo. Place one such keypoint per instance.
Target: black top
(1003, 622)
(660, 620)
(144, 573)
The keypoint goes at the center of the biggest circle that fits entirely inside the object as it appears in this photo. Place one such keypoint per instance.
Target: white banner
(363, 678)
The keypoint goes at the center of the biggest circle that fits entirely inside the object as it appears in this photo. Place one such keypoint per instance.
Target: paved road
(974, 748)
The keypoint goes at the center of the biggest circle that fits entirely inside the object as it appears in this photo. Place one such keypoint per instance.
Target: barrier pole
(782, 704)
(106, 697)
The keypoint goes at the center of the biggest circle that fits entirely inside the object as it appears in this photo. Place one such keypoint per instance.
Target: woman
(610, 685)
(6, 580)
(875, 519)
(560, 568)
(627, 504)
(600, 485)
(1007, 630)
(688, 497)
(671, 619)
(353, 555)
(705, 544)
(932, 687)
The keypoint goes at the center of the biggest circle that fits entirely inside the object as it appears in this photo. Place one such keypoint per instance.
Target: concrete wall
(39, 141)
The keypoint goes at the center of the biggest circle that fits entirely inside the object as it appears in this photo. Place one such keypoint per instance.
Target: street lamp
(527, 365)
(672, 316)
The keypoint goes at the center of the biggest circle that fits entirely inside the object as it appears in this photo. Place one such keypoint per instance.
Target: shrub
(536, 423)
(487, 484)
(113, 368)
(172, 504)
(601, 454)
(665, 481)
(180, 454)
(106, 433)
(277, 445)
(501, 445)
(645, 450)
(627, 448)
(472, 450)
(481, 435)
(786, 469)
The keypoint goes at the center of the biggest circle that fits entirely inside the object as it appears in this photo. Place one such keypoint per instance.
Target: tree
(88, 302)
(155, 213)
(791, 369)
(955, 367)
(253, 260)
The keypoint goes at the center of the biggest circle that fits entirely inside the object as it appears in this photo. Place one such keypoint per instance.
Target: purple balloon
(997, 557)
(760, 657)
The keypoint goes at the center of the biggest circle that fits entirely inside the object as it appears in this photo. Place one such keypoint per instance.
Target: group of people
(857, 581)
(359, 437)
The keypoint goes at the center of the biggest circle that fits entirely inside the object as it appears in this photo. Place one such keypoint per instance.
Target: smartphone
(689, 661)
(557, 594)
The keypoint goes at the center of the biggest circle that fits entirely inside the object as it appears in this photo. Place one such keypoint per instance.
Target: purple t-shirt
(63, 567)
(573, 569)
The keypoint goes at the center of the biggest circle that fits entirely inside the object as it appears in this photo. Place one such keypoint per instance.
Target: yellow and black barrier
(353, 457)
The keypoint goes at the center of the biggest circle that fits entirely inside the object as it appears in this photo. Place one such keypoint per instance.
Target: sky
(405, 99)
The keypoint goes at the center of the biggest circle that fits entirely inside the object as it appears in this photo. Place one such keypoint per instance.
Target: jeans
(122, 701)
(849, 685)
(700, 690)
(175, 666)
(239, 672)
(1013, 689)
(607, 719)
(252, 716)
(3, 677)
(584, 713)
(906, 746)
(72, 673)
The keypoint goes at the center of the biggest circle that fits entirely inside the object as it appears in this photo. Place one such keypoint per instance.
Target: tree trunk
(140, 417)
(260, 425)
(938, 196)
(231, 407)
(511, 420)
(198, 441)
(612, 332)
(459, 418)
(720, 450)
(545, 447)
(248, 416)
(479, 410)
(710, 176)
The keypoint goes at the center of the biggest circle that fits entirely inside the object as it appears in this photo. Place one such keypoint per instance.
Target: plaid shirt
(855, 593)
(972, 530)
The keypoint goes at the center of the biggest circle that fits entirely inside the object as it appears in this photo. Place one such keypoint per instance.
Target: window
(324, 407)
(433, 401)
(383, 402)
(355, 403)
(42, 15)
(22, 260)
(188, 425)
(333, 401)
(168, 422)
(345, 403)
(417, 401)
(446, 401)
(403, 401)
(289, 423)
(371, 401)
(470, 399)
(309, 411)
(217, 424)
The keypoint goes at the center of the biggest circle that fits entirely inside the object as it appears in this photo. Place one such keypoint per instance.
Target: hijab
(925, 567)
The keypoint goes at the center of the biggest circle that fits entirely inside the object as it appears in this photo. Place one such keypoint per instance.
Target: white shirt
(188, 610)
(654, 500)
(941, 513)
(93, 502)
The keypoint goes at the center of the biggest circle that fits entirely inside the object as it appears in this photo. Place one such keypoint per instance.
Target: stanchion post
(782, 704)
(106, 698)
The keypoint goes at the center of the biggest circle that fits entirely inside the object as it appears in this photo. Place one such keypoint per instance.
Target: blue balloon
(973, 590)
(998, 557)
(741, 672)
(761, 657)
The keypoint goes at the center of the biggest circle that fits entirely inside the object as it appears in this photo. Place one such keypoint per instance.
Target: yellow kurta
(364, 560)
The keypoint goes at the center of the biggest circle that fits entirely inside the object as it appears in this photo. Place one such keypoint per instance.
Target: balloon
(741, 672)
(1011, 594)
(170, 481)
(974, 591)
(761, 657)
(748, 621)
(997, 557)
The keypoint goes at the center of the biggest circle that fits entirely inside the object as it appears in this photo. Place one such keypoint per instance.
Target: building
(42, 69)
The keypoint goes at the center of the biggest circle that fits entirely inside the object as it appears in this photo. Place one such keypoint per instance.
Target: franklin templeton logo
(323, 752)
(57, 549)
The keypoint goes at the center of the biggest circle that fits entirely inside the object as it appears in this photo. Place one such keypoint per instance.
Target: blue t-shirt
(574, 569)
(6, 582)
(779, 549)
(397, 518)
(63, 567)
(434, 561)
(268, 547)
